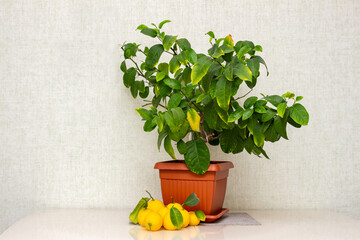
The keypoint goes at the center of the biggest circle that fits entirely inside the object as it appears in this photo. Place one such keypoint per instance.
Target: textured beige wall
(70, 136)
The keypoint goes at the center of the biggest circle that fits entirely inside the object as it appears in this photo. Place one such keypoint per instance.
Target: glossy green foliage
(203, 95)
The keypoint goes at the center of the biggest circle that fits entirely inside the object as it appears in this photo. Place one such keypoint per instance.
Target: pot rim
(180, 165)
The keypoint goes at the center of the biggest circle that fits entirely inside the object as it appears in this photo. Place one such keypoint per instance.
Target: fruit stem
(172, 200)
(149, 194)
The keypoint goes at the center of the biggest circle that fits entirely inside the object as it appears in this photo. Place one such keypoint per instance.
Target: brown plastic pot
(178, 182)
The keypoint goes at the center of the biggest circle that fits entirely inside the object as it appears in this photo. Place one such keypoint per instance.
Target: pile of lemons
(157, 215)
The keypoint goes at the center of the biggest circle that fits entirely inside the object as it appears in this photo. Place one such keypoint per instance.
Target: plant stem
(244, 95)
(200, 88)
(149, 194)
(190, 101)
(202, 131)
(172, 49)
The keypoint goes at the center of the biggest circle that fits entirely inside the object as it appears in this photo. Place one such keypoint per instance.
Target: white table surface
(114, 224)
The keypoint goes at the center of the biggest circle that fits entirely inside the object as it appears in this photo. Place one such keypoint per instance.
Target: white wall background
(70, 136)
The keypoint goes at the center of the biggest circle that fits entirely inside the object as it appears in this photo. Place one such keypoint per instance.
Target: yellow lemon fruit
(186, 218)
(153, 221)
(163, 211)
(176, 205)
(194, 221)
(155, 205)
(142, 215)
(167, 222)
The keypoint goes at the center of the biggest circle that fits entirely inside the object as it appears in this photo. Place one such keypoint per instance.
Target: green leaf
(270, 113)
(280, 126)
(123, 66)
(159, 122)
(249, 145)
(275, 100)
(176, 217)
(254, 66)
(200, 69)
(227, 142)
(247, 114)
(215, 51)
(154, 55)
(169, 41)
(299, 98)
(229, 71)
(242, 72)
(263, 152)
(145, 114)
(181, 147)
(293, 123)
(201, 97)
(145, 93)
(160, 76)
(260, 103)
(177, 73)
(149, 32)
(163, 67)
(271, 134)
(168, 147)
(182, 58)
(239, 139)
(141, 27)
(180, 131)
(183, 43)
(129, 77)
(174, 100)
(174, 64)
(161, 136)
(259, 136)
(169, 119)
(281, 109)
(178, 115)
(134, 214)
(207, 79)
(218, 41)
(200, 215)
(260, 109)
(236, 115)
(186, 75)
(242, 51)
(140, 85)
(223, 93)
(162, 23)
(222, 113)
(211, 34)
(197, 156)
(299, 114)
(250, 102)
(263, 62)
(134, 90)
(227, 49)
(173, 83)
(191, 56)
(258, 48)
(149, 125)
(192, 200)
(288, 95)
(228, 41)
(211, 116)
(251, 123)
(161, 89)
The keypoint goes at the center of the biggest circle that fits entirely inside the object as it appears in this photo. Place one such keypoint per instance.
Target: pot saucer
(212, 218)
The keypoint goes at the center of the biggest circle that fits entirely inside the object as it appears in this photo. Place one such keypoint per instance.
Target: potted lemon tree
(192, 100)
